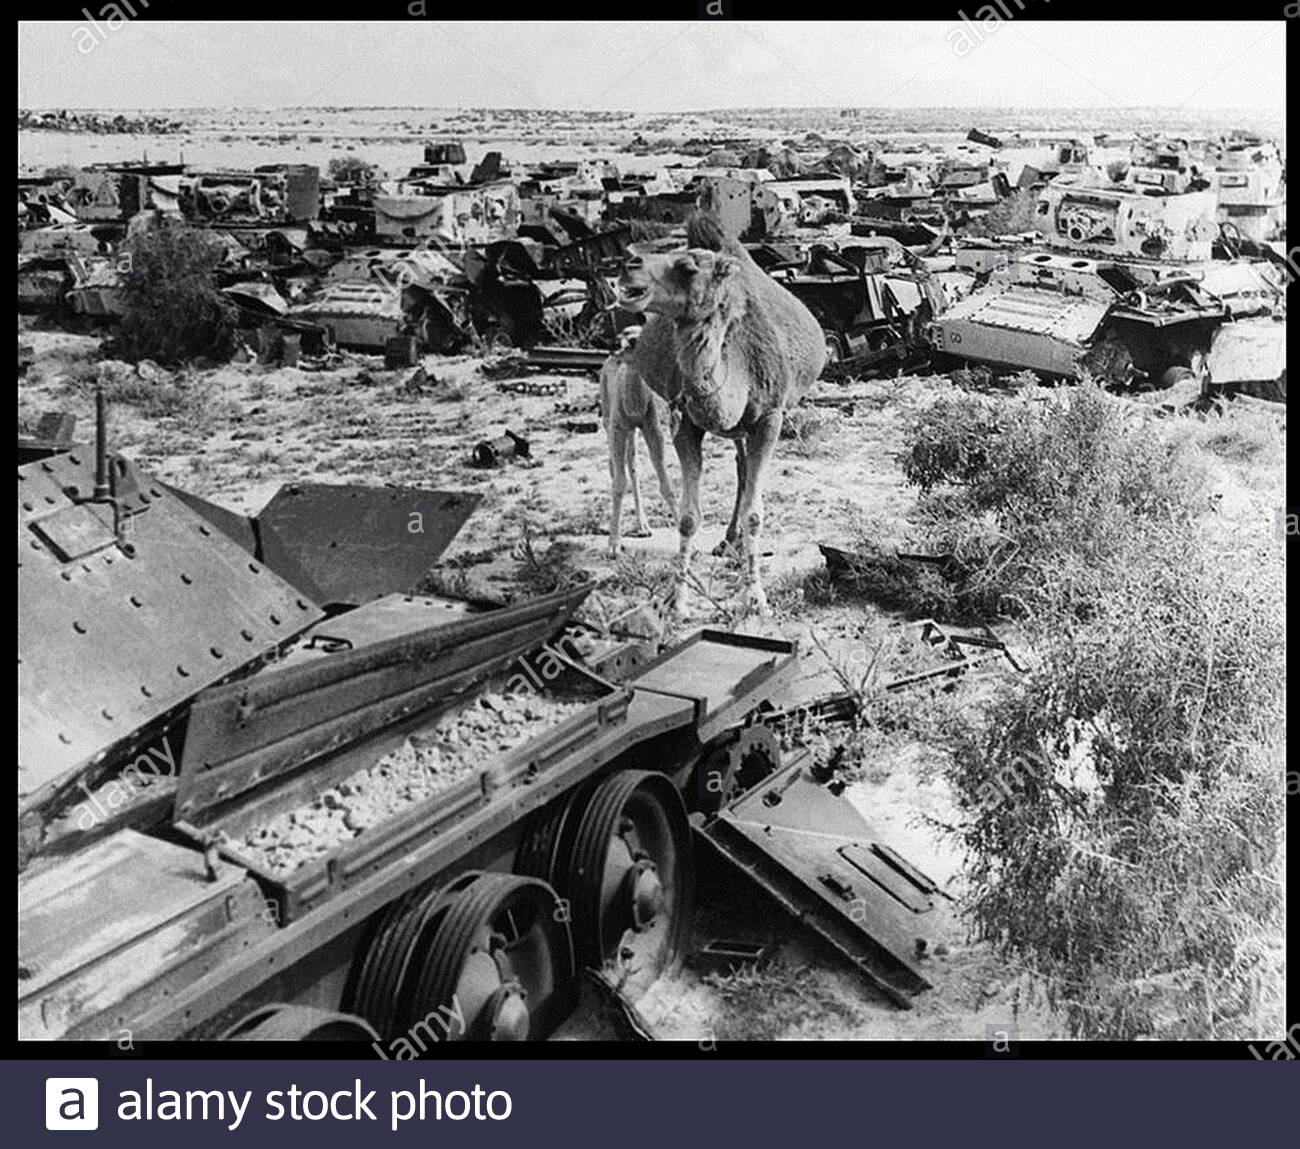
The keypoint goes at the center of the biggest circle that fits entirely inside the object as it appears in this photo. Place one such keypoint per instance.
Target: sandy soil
(235, 433)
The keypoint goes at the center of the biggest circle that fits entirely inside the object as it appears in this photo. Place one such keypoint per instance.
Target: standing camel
(627, 406)
(731, 349)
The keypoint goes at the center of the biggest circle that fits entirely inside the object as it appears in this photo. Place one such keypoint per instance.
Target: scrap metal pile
(1143, 282)
(1141, 277)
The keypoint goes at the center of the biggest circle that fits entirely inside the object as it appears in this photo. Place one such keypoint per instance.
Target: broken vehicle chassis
(661, 730)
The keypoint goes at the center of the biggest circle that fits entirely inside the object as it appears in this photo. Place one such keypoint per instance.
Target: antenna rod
(101, 445)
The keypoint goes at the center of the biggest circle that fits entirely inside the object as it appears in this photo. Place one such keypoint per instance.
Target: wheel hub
(647, 894)
(509, 1014)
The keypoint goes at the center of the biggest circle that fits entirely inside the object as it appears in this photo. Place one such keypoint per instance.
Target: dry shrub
(1010, 216)
(173, 310)
(809, 430)
(1123, 801)
(1030, 496)
(545, 569)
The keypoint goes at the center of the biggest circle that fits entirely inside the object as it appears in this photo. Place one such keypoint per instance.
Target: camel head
(681, 285)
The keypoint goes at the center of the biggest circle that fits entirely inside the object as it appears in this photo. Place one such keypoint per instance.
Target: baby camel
(627, 405)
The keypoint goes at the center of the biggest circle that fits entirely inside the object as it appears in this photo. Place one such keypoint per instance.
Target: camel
(627, 406)
(731, 349)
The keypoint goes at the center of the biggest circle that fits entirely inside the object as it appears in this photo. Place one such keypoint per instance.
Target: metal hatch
(344, 545)
(724, 674)
(823, 863)
(358, 543)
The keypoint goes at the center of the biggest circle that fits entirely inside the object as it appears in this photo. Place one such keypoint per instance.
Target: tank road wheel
(629, 876)
(836, 348)
(383, 978)
(1196, 370)
(299, 1023)
(546, 842)
(500, 964)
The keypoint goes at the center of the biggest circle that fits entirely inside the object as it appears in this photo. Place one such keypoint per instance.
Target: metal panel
(246, 532)
(392, 616)
(113, 640)
(359, 543)
(121, 919)
(236, 527)
(726, 674)
(816, 855)
(1249, 351)
(245, 733)
(1043, 330)
(76, 530)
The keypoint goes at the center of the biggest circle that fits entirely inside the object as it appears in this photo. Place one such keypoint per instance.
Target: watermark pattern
(1284, 1049)
(112, 16)
(484, 1105)
(991, 17)
(122, 788)
(1286, 522)
(435, 1026)
(1002, 1040)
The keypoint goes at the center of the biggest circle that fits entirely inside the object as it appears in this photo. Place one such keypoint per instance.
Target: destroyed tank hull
(246, 817)
(1126, 324)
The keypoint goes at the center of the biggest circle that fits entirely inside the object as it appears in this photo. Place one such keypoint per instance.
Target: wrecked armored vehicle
(872, 297)
(267, 790)
(370, 297)
(267, 195)
(1126, 291)
(1252, 188)
(427, 210)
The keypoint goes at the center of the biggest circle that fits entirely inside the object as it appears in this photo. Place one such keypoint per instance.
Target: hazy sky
(652, 66)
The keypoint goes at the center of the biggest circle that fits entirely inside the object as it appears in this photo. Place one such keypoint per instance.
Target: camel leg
(759, 452)
(728, 542)
(642, 527)
(619, 440)
(689, 442)
(654, 441)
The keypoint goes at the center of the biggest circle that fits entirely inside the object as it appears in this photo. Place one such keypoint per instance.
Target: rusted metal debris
(724, 956)
(978, 137)
(362, 681)
(494, 452)
(823, 864)
(567, 358)
(961, 653)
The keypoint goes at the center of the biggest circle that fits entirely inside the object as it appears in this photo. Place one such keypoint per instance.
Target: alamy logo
(72, 1103)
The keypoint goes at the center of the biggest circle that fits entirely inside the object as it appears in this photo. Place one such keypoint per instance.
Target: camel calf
(627, 405)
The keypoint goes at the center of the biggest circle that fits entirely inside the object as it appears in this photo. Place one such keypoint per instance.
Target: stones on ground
(429, 762)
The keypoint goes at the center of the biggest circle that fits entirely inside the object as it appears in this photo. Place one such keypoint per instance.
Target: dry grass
(769, 1001)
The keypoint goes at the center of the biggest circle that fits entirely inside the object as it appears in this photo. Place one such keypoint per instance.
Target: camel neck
(699, 350)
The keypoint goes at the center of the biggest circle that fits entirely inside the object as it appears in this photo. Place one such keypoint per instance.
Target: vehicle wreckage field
(234, 434)
(352, 557)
